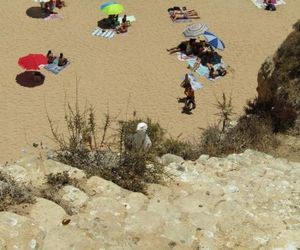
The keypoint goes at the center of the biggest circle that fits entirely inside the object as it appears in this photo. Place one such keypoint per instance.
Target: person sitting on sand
(50, 6)
(125, 21)
(59, 4)
(50, 57)
(61, 60)
(123, 28)
(270, 5)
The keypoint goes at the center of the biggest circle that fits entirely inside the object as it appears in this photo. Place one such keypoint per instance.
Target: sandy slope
(133, 67)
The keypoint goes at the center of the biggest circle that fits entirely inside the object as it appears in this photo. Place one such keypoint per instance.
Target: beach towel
(182, 20)
(104, 33)
(184, 57)
(54, 68)
(128, 18)
(194, 82)
(53, 16)
(259, 3)
(204, 71)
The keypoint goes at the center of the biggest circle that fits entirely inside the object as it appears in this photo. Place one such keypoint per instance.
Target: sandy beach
(132, 71)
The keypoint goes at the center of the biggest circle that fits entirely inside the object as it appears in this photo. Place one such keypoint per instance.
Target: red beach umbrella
(32, 61)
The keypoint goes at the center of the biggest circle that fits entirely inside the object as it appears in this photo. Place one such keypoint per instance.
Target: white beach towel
(194, 82)
(259, 3)
(53, 16)
(128, 18)
(104, 33)
(184, 57)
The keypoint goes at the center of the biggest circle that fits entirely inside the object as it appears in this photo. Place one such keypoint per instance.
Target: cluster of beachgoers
(199, 52)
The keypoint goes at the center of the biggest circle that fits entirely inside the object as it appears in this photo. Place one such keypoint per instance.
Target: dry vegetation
(13, 193)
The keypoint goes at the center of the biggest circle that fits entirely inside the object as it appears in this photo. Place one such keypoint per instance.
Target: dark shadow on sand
(30, 79)
(36, 12)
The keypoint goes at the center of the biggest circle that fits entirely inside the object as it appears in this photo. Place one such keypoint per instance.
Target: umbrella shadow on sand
(36, 12)
(30, 79)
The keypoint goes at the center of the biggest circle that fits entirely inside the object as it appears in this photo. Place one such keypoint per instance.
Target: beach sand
(132, 71)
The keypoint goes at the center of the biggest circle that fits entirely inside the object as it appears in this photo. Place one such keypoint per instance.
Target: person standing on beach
(190, 95)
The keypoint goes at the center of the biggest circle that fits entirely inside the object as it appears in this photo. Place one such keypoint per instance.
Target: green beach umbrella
(113, 9)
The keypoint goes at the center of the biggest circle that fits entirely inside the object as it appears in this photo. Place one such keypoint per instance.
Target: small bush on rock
(13, 193)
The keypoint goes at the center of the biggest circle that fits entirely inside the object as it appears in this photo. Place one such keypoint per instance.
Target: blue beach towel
(54, 68)
(104, 33)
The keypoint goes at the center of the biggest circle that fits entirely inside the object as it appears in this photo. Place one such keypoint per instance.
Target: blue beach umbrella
(106, 4)
(213, 40)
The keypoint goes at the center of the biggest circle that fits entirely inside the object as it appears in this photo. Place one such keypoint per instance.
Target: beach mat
(183, 57)
(104, 33)
(259, 3)
(196, 85)
(204, 71)
(128, 18)
(183, 20)
(54, 68)
(53, 16)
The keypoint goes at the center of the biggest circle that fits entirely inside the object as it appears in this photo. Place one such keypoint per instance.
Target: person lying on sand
(215, 73)
(61, 60)
(184, 15)
(50, 57)
(184, 47)
(184, 10)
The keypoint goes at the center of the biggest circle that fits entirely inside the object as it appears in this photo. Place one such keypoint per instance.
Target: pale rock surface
(243, 201)
(47, 213)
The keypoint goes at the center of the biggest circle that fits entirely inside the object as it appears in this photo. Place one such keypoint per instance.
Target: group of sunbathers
(204, 53)
(113, 23)
(177, 13)
(62, 61)
(51, 5)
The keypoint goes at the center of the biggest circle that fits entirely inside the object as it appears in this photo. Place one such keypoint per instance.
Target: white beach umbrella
(41, 1)
(195, 30)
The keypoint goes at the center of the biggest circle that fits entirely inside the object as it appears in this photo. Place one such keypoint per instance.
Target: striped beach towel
(104, 33)
(259, 3)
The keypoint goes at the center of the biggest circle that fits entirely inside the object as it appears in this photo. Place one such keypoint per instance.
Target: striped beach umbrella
(213, 40)
(195, 30)
(101, 7)
(113, 9)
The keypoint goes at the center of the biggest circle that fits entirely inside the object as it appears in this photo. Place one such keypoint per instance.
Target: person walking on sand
(190, 95)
